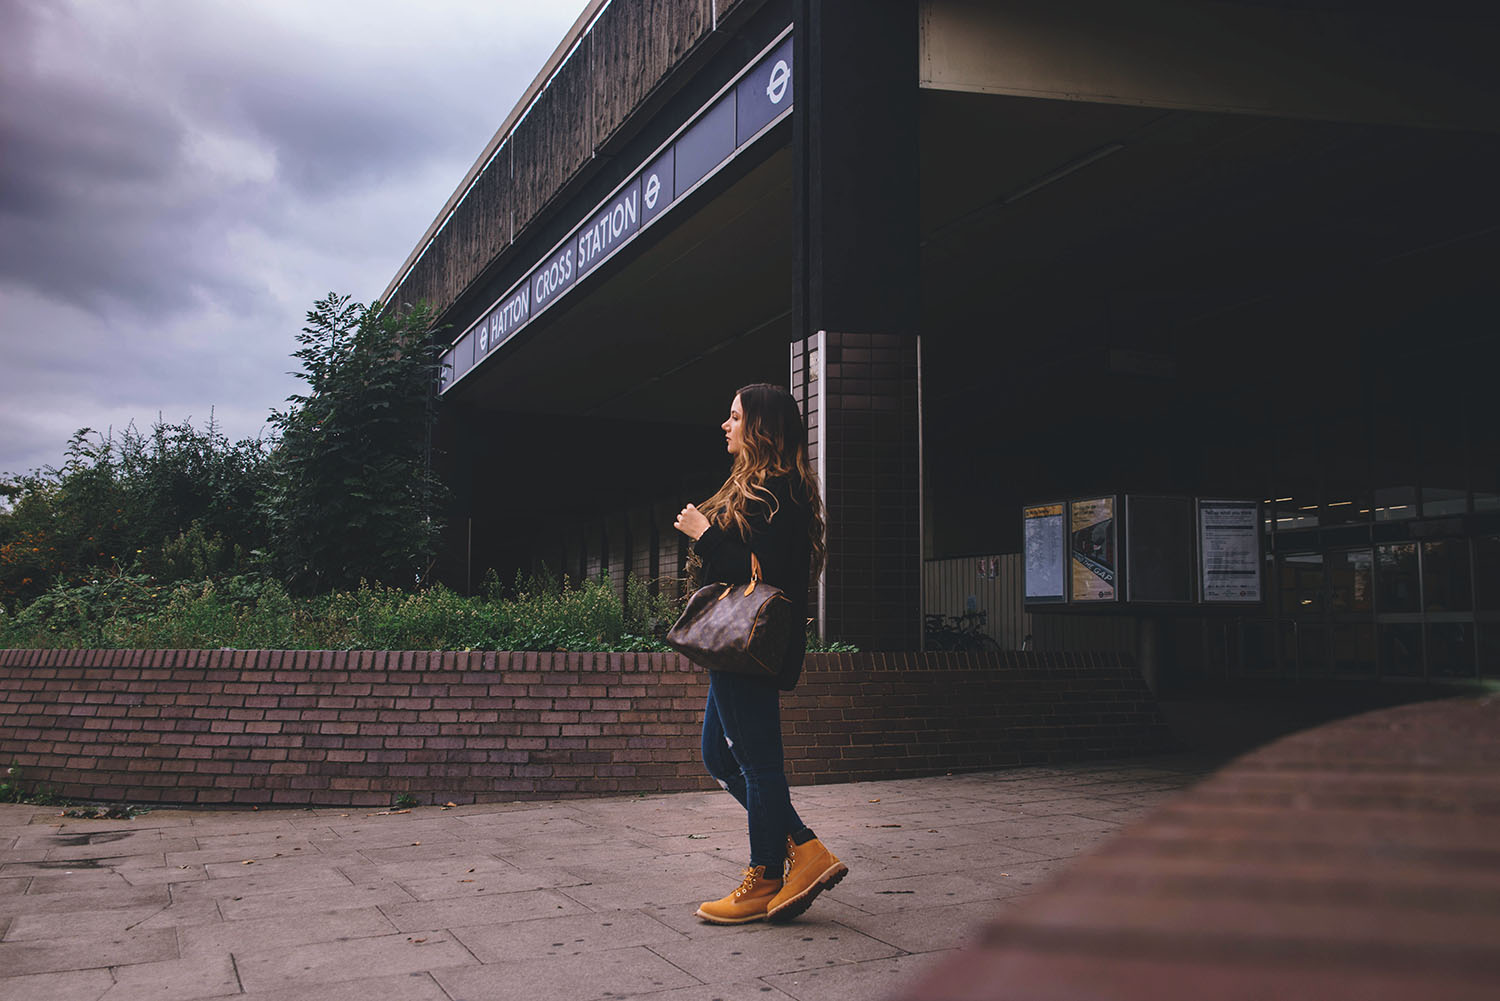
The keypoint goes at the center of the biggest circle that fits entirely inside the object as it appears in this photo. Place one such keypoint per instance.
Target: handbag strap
(754, 575)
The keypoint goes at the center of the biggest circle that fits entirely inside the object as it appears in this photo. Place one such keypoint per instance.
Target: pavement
(569, 900)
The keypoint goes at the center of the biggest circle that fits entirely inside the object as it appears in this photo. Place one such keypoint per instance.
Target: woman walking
(769, 506)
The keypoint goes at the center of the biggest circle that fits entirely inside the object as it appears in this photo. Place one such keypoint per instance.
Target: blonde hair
(773, 443)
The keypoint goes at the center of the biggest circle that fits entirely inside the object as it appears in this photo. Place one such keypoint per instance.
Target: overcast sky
(181, 179)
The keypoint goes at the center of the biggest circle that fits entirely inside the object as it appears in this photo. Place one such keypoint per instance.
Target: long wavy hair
(774, 443)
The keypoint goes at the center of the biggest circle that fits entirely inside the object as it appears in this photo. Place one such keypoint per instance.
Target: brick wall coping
(305, 727)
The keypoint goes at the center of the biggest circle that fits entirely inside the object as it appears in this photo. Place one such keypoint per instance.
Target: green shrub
(252, 611)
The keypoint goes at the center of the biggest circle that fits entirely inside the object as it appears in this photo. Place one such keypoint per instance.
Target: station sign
(758, 97)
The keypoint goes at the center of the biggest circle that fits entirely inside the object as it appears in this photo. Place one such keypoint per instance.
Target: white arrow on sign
(781, 75)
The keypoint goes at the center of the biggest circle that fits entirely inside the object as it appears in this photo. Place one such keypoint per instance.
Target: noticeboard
(1044, 534)
(1229, 534)
(1091, 550)
(1160, 554)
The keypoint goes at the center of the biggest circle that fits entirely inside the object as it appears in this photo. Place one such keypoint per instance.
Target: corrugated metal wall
(994, 585)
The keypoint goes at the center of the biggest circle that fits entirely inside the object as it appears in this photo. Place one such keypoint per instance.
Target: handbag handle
(755, 578)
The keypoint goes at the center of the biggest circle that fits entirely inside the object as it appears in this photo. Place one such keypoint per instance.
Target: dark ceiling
(1048, 226)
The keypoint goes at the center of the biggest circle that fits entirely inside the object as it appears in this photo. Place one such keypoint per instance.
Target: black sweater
(781, 544)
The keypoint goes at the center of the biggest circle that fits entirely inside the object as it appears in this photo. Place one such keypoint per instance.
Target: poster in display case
(1044, 535)
(1229, 548)
(1092, 547)
(1160, 554)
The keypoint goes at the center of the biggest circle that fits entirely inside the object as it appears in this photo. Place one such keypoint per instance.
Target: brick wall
(359, 728)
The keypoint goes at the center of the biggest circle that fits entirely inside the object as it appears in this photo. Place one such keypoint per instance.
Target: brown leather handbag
(742, 629)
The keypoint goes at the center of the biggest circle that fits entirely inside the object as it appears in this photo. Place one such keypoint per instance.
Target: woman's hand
(691, 523)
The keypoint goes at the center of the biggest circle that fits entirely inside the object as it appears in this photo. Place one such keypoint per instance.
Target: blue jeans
(742, 749)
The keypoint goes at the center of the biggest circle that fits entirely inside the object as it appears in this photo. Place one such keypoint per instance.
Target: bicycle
(963, 633)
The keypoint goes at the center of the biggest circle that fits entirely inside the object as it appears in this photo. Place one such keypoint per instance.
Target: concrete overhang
(693, 308)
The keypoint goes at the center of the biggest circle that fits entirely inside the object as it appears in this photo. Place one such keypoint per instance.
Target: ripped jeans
(742, 749)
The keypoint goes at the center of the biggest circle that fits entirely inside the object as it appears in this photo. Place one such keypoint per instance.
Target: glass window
(1395, 462)
(1346, 467)
(1302, 585)
(1450, 649)
(1354, 648)
(1438, 501)
(1396, 582)
(1395, 503)
(1312, 648)
(1256, 651)
(1445, 576)
(1351, 581)
(1401, 650)
(1489, 649)
(1487, 573)
(1445, 480)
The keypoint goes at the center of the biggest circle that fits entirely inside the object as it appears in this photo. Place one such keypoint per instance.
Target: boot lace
(748, 882)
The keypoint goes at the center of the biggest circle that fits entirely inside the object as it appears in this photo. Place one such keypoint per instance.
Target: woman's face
(734, 427)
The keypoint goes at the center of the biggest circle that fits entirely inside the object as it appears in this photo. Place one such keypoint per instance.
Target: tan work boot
(810, 869)
(748, 903)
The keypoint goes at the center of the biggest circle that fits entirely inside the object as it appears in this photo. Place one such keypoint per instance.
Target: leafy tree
(164, 502)
(352, 494)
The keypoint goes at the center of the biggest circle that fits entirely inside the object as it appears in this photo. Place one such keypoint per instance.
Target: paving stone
(707, 882)
(399, 987)
(84, 901)
(881, 896)
(70, 985)
(567, 854)
(856, 981)
(923, 929)
(143, 946)
(635, 970)
(14, 885)
(56, 879)
(144, 874)
(506, 880)
(146, 844)
(437, 853)
(330, 962)
(740, 952)
(293, 900)
(565, 936)
(247, 938)
(175, 980)
(88, 925)
(753, 990)
(288, 868)
(490, 908)
(265, 880)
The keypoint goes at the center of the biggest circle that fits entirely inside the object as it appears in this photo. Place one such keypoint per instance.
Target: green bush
(252, 611)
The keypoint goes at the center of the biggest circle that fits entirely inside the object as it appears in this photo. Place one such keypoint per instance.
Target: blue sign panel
(610, 227)
(764, 93)
(553, 277)
(705, 145)
(657, 185)
(505, 319)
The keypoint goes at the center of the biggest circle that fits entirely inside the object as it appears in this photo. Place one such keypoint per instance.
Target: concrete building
(1009, 255)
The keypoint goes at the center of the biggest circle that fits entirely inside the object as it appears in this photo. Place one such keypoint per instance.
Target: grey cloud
(180, 179)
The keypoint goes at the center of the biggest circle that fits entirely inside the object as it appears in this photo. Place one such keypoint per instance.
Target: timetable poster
(1229, 541)
(1045, 538)
(1093, 549)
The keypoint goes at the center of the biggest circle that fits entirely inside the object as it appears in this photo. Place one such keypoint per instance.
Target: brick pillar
(857, 307)
(860, 395)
